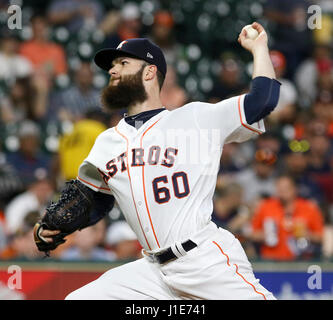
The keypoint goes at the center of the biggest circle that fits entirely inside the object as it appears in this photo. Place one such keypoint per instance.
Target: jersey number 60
(162, 193)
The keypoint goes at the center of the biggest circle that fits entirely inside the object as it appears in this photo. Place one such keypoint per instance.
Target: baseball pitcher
(161, 168)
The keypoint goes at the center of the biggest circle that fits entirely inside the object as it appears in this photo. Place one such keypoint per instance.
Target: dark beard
(128, 92)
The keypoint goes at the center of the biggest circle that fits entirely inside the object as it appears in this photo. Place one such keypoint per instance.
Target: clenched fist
(254, 44)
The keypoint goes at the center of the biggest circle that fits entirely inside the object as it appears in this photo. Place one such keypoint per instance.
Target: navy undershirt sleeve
(262, 98)
(103, 204)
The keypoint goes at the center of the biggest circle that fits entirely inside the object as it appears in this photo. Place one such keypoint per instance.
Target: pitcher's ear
(150, 72)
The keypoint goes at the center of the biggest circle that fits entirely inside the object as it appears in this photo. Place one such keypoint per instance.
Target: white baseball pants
(217, 269)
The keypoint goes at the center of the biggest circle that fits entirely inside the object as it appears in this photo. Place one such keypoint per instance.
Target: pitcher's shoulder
(108, 132)
(188, 108)
(107, 135)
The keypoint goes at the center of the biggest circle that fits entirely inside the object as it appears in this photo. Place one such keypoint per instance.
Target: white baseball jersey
(163, 174)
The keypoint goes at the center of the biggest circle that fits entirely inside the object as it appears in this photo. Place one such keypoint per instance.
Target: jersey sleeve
(89, 173)
(90, 176)
(228, 117)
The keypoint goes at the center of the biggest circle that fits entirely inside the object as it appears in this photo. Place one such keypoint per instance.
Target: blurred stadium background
(274, 193)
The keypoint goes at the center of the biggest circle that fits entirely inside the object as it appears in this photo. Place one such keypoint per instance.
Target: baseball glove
(70, 213)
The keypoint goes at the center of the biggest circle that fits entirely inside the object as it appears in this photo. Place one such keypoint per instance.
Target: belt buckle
(154, 256)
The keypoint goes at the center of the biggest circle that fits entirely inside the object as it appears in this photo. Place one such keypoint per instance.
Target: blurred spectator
(172, 95)
(75, 146)
(123, 241)
(26, 100)
(10, 182)
(12, 65)
(85, 245)
(318, 157)
(269, 140)
(286, 226)
(233, 159)
(315, 125)
(47, 57)
(325, 81)
(29, 160)
(75, 14)
(309, 72)
(291, 33)
(322, 114)
(129, 25)
(245, 152)
(314, 122)
(229, 83)
(315, 130)
(229, 212)
(296, 166)
(74, 102)
(36, 198)
(162, 33)
(284, 112)
(21, 243)
(110, 22)
(260, 178)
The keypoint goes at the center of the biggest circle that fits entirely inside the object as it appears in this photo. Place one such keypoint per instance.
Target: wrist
(260, 49)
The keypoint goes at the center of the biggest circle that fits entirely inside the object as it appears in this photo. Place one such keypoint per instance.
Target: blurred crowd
(275, 193)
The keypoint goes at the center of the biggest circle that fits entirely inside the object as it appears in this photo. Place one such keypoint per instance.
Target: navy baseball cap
(140, 48)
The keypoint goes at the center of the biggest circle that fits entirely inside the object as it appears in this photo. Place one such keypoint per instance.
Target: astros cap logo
(121, 44)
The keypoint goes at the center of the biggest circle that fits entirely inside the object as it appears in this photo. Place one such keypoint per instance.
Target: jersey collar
(137, 120)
